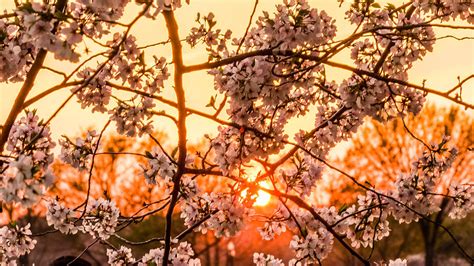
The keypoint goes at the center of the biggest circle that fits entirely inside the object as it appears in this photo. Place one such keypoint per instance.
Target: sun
(263, 198)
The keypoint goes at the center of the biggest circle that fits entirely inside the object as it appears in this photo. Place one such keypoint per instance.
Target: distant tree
(390, 149)
(118, 176)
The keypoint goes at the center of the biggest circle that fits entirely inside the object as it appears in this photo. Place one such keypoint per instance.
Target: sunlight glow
(263, 198)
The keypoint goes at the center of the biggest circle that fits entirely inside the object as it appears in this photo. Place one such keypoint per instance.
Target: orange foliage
(381, 152)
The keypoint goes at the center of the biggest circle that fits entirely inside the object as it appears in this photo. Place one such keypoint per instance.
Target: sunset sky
(450, 59)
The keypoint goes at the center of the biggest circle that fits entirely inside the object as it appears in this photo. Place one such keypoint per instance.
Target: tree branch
(176, 47)
(20, 99)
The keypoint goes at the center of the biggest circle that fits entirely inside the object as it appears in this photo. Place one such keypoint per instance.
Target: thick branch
(180, 97)
(20, 99)
(267, 52)
(27, 85)
(51, 90)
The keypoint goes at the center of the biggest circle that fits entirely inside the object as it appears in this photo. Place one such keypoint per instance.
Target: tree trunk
(216, 254)
(430, 255)
(429, 245)
(208, 252)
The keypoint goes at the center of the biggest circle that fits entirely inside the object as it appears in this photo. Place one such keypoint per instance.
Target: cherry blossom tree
(273, 74)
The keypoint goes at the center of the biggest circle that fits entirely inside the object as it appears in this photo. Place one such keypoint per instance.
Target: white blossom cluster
(230, 215)
(62, 218)
(226, 213)
(108, 10)
(96, 93)
(15, 58)
(364, 223)
(314, 243)
(234, 146)
(370, 95)
(20, 42)
(269, 260)
(42, 31)
(132, 120)
(314, 246)
(417, 190)
(127, 67)
(179, 256)
(121, 257)
(303, 175)
(463, 200)
(447, 9)
(25, 175)
(79, 154)
(101, 218)
(214, 39)
(332, 127)
(15, 241)
(30, 137)
(397, 262)
(270, 229)
(22, 183)
(42, 26)
(159, 165)
(265, 92)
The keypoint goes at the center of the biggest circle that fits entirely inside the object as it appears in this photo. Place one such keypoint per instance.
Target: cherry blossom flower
(179, 256)
(23, 183)
(158, 165)
(122, 256)
(29, 137)
(315, 246)
(62, 218)
(15, 241)
(269, 260)
(270, 229)
(101, 218)
(79, 154)
(397, 262)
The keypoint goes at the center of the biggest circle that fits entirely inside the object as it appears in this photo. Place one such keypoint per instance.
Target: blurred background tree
(389, 150)
(117, 175)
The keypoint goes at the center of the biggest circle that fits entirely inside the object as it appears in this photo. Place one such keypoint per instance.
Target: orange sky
(450, 59)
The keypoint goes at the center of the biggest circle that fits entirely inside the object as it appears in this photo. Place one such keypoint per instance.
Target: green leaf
(390, 6)
(212, 24)
(141, 58)
(3, 35)
(342, 209)
(212, 102)
(376, 5)
(174, 152)
(60, 16)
